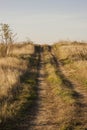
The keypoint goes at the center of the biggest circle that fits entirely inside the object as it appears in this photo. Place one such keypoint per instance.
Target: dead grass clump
(74, 60)
(13, 92)
(10, 70)
(77, 71)
(71, 52)
(21, 50)
(65, 98)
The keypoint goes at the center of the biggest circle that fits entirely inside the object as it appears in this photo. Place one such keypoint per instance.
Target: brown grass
(12, 67)
(73, 57)
(25, 49)
(71, 51)
(66, 101)
(17, 49)
(10, 70)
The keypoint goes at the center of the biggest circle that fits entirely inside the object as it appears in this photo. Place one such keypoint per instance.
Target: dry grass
(10, 71)
(73, 63)
(73, 57)
(25, 49)
(10, 85)
(66, 101)
(17, 49)
(77, 71)
(71, 51)
(12, 91)
(54, 78)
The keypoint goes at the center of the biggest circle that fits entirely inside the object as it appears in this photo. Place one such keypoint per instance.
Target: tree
(7, 37)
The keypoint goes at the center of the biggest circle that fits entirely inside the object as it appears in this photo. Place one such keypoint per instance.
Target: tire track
(80, 96)
(46, 118)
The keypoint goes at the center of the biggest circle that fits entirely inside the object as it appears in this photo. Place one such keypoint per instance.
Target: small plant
(7, 37)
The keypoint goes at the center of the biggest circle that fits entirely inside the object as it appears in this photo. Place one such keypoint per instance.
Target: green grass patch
(66, 61)
(53, 77)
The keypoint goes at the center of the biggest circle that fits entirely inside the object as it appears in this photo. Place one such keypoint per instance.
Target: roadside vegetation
(65, 66)
(18, 79)
(73, 64)
(73, 58)
(63, 89)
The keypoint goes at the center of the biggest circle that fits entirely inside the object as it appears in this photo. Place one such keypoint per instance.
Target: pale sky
(46, 21)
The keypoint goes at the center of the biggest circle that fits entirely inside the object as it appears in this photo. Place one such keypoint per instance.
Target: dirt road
(46, 117)
(49, 111)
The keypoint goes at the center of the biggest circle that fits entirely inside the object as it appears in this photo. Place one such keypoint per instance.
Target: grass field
(40, 83)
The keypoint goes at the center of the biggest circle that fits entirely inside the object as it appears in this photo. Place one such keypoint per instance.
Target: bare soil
(47, 113)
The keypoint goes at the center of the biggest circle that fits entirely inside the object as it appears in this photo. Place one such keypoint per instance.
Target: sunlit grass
(16, 91)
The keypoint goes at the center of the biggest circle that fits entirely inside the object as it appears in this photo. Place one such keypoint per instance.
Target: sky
(46, 21)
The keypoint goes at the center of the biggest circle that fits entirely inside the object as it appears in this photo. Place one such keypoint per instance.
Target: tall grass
(13, 93)
(64, 93)
(71, 51)
(17, 49)
(73, 57)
